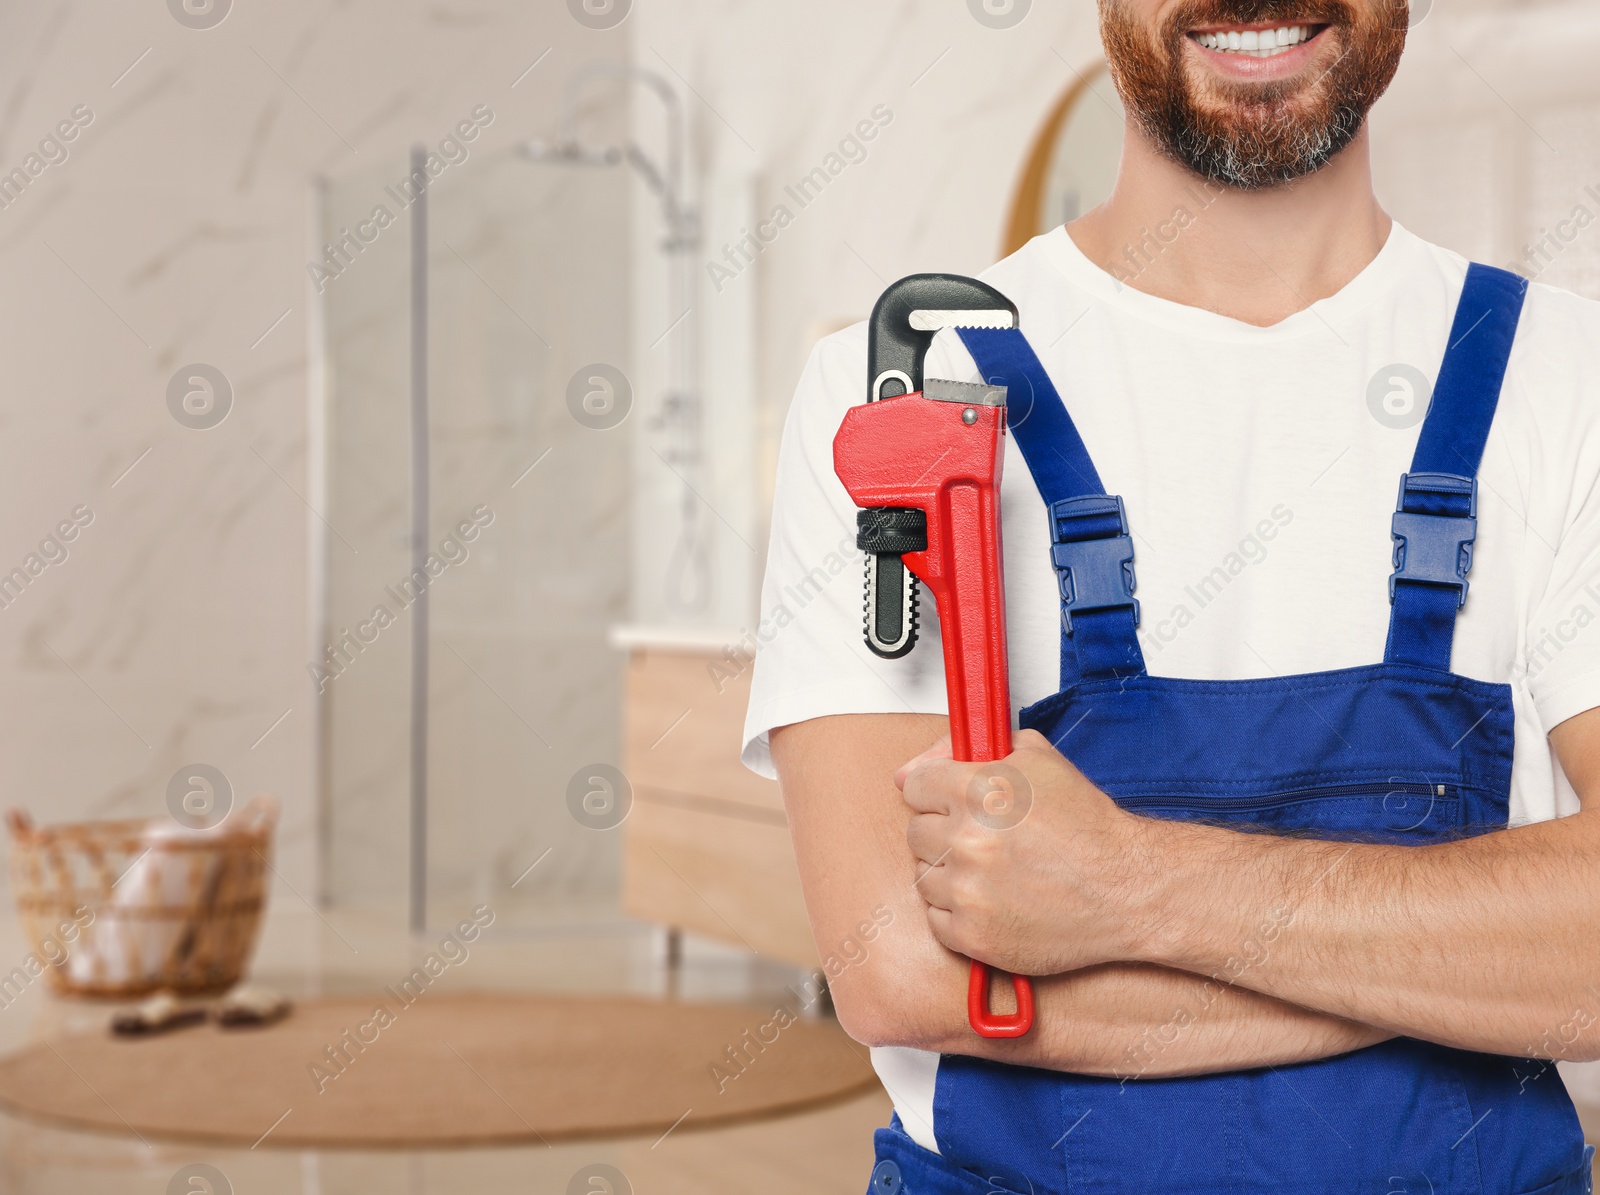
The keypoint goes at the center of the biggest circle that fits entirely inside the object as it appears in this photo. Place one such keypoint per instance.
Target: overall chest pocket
(1362, 812)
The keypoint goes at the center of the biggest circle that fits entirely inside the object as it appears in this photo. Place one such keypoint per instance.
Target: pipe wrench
(923, 460)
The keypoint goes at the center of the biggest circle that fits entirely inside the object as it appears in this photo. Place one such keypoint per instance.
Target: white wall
(1490, 138)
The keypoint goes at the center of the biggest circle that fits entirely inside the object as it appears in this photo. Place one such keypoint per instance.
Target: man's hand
(1021, 861)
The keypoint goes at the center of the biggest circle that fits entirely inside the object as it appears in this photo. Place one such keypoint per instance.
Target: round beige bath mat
(443, 1071)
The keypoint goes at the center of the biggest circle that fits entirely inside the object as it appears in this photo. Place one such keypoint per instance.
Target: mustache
(1194, 13)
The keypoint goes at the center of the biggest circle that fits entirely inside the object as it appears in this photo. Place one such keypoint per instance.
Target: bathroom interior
(550, 379)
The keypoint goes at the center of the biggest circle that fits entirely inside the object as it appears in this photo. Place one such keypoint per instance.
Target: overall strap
(1437, 520)
(1091, 548)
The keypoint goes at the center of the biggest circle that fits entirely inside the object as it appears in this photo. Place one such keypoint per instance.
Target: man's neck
(1255, 256)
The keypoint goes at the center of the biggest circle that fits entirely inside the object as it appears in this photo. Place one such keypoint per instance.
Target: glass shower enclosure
(471, 458)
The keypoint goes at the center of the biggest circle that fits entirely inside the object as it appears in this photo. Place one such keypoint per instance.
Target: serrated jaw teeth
(923, 320)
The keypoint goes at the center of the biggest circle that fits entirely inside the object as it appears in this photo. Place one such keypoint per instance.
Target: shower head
(570, 153)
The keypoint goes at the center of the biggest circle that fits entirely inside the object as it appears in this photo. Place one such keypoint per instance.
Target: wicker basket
(122, 908)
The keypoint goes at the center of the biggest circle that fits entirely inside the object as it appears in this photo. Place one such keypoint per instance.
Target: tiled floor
(815, 1153)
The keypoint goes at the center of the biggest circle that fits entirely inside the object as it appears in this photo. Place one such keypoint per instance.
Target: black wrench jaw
(885, 534)
(905, 320)
(897, 343)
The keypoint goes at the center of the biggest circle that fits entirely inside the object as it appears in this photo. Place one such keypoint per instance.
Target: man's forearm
(1129, 1021)
(1491, 943)
(1124, 1020)
(1121, 1020)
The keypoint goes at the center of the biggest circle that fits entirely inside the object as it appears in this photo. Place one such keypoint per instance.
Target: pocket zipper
(1437, 792)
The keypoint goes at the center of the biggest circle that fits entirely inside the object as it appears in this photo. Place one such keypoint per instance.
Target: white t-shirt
(1271, 454)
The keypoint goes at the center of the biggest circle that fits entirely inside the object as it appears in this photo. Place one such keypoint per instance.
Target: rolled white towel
(120, 950)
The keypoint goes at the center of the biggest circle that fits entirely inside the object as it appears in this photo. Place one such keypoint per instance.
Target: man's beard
(1254, 135)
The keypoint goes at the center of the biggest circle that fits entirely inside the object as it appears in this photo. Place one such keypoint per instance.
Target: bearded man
(1301, 845)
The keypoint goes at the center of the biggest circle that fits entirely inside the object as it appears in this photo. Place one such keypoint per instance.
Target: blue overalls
(1404, 751)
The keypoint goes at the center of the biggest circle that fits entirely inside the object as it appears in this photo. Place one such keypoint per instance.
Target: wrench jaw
(904, 322)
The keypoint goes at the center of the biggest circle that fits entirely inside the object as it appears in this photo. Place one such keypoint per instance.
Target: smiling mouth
(1255, 42)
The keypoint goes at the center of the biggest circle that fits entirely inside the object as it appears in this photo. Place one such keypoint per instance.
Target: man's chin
(1259, 108)
(1257, 115)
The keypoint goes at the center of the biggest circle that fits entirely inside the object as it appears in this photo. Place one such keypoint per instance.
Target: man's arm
(905, 988)
(1489, 943)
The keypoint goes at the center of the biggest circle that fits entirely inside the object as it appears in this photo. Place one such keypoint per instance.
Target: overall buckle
(1432, 547)
(1093, 555)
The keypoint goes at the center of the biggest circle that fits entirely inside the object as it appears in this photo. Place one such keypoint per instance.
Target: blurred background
(409, 376)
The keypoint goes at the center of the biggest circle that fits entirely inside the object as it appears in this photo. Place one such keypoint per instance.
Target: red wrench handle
(962, 570)
(972, 626)
(991, 1024)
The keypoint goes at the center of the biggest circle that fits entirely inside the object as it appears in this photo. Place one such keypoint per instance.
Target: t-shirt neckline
(1380, 276)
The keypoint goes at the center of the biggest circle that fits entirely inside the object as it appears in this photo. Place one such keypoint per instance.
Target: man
(1305, 866)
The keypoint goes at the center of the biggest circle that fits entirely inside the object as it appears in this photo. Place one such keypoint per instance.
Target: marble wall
(173, 229)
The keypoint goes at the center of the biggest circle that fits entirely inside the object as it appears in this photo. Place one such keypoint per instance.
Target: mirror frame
(1027, 201)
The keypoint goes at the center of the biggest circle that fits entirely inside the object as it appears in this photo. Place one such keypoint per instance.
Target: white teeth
(1264, 43)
